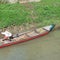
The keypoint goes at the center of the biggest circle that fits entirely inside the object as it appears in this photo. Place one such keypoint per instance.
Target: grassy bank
(42, 13)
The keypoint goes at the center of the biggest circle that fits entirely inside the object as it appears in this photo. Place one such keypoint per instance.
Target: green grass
(44, 13)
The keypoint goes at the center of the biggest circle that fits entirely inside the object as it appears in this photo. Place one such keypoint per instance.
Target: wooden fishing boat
(27, 36)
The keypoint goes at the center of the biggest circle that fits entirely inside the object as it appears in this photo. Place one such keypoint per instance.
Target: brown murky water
(44, 48)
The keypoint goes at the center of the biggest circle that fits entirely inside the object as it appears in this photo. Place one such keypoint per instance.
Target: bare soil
(18, 29)
(22, 28)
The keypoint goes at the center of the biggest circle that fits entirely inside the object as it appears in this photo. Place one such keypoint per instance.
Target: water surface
(44, 48)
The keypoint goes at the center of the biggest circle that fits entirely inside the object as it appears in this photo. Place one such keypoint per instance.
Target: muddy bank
(25, 27)
(18, 29)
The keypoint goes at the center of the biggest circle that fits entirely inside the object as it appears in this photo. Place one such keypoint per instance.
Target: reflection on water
(44, 48)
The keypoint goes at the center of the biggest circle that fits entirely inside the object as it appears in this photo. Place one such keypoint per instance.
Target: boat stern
(52, 27)
(49, 28)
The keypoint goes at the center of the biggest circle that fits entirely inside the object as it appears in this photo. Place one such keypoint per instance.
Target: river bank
(42, 13)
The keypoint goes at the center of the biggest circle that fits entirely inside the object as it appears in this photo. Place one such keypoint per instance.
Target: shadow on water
(44, 48)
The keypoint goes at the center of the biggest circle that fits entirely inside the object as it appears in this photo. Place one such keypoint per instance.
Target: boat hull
(13, 43)
(27, 36)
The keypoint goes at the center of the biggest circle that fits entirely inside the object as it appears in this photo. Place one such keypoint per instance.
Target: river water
(44, 48)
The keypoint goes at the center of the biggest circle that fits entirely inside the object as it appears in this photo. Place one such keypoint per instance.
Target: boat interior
(25, 35)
